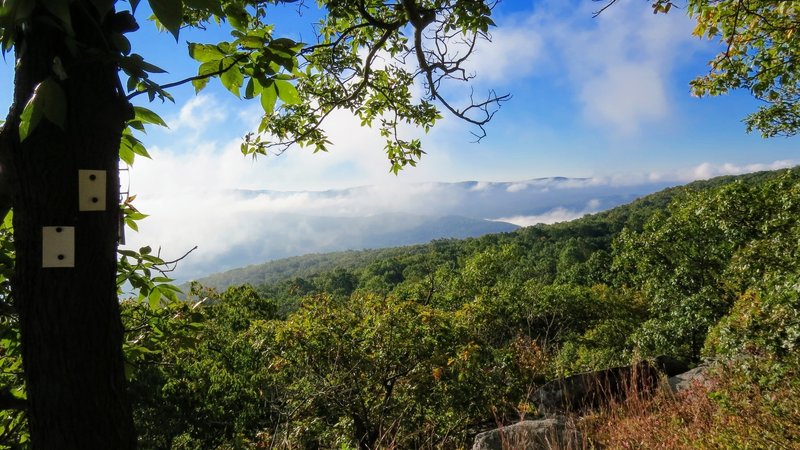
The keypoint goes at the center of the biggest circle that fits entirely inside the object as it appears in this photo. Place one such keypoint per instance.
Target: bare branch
(605, 7)
(447, 68)
(174, 262)
(343, 35)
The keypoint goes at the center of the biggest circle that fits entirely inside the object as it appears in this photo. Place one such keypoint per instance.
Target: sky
(604, 98)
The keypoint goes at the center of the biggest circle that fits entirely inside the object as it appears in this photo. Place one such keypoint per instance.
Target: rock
(530, 435)
(685, 380)
(593, 390)
(669, 365)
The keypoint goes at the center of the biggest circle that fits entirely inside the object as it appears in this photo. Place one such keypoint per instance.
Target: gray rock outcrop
(541, 434)
(683, 381)
(580, 394)
(587, 391)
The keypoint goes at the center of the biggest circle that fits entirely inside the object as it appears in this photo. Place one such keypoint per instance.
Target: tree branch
(420, 21)
(236, 61)
(605, 7)
(173, 263)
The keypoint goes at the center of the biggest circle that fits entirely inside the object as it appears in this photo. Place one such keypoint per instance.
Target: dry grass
(728, 411)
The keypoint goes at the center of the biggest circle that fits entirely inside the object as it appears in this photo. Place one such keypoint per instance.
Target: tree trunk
(69, 317)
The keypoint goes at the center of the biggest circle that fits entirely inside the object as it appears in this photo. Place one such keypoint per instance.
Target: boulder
(541, 434)
(683, 381)
(669, 365)
(593, 390)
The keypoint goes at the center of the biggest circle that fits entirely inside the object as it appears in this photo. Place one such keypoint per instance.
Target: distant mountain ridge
(299, 234)
(314, 263)
(487, 199)
(251, 226)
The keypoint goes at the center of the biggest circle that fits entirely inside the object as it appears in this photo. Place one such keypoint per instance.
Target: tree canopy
(760, 50)
(366, 58)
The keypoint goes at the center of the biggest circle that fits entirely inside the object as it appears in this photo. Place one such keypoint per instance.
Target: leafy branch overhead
(359, 63)
(760, 54)
(369, 58)
(759, 49)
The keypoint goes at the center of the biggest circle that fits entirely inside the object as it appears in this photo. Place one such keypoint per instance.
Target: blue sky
(605, 98)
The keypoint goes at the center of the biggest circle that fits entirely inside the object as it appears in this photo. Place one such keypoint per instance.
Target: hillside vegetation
(424, 346)
(311, 265)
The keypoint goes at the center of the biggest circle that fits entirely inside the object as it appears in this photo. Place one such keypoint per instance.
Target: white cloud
(709, 170)
(512, 54)
(625, 97)
(516, 187)
(622, 65)
(555, 215)
(480, 186)
(618, 65)
(197, 113)
(701, 171)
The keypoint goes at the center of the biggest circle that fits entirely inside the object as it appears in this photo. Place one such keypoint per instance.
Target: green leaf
(138, 148)
(126, 153)
(232, 78)
(132, 82)
(135, 66)
(137, 125)
(269, 96)
(205, 52)
(147, 67)
(154, 299)
(237, 16)
(208, 67)
(147, 116)
(287, 92)
(199, 84)
(252, 89)
(129, 253)
(129, 147)
(205, 69)
(251, 42)
(169, 13)
(121, 43)
(285, 44)
(30, 117)
(48, 101)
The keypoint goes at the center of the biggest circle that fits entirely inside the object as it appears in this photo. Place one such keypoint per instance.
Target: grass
(737, 407)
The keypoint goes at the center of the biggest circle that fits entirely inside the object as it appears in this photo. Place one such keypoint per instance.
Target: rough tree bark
(69, 317)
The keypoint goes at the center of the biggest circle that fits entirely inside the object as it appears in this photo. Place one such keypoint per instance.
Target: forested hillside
(423, 347)
(631, 215)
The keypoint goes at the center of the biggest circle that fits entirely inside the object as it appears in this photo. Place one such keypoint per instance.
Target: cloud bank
(200, 198)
